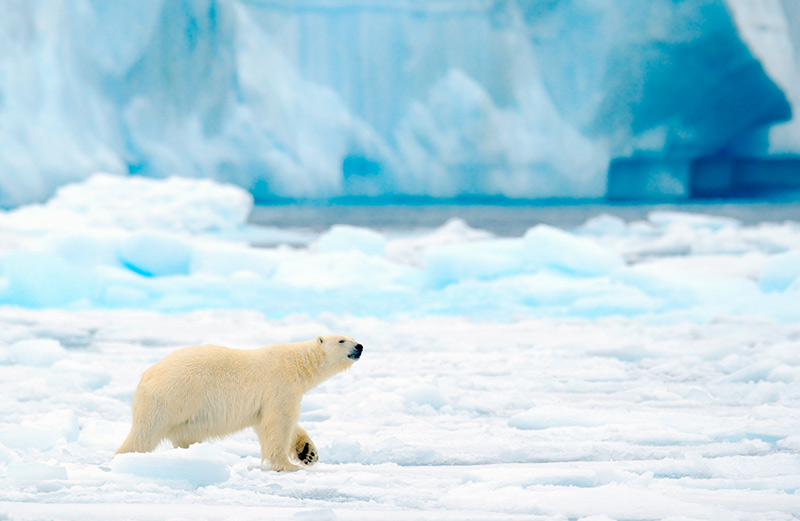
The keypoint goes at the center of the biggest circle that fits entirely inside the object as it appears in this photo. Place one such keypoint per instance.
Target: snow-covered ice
(443, 418)
(619, 370)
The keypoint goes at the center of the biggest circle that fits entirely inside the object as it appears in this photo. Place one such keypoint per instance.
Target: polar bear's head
(340, 349)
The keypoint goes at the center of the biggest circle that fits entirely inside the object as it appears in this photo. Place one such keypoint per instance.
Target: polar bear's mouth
(355, 354)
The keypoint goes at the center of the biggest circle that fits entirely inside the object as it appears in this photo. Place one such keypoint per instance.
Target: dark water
(503, 219)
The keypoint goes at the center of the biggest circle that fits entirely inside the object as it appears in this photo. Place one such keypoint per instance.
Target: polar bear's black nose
(356, 353)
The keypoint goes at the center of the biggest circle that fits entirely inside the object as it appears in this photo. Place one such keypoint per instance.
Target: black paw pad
(307, 455)
(303, 453)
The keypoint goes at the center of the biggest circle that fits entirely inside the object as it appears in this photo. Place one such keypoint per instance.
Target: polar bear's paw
(307, 454)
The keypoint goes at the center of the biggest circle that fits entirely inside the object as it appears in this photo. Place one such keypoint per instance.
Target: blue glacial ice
(179, 254)
(314, 99)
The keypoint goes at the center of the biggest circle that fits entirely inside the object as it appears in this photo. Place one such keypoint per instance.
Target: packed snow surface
(642, 370)
(442, 418)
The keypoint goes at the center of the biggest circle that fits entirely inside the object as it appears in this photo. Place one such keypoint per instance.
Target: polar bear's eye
(341, 341)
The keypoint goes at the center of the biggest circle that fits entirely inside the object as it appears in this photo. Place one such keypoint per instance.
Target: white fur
(209, 391)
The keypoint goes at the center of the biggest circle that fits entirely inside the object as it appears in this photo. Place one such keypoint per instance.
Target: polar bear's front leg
(275, 435)
(304, 448)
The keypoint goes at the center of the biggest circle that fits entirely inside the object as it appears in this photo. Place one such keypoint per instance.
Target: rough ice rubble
(152, 252)
(416, 97)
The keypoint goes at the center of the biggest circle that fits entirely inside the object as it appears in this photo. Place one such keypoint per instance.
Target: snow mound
(37, 352)
(199, 466)
(135, 203)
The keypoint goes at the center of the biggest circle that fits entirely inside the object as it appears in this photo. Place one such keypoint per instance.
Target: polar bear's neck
(310, 364)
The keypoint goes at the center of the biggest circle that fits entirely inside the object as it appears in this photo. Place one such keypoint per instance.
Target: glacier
(316, 99)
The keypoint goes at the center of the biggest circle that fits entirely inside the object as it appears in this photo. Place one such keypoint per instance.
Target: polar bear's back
(206, 386)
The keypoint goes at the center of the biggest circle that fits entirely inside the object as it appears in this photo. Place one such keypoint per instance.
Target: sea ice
(642, 370)
(199, 466)
(672, 263)
(442, 418)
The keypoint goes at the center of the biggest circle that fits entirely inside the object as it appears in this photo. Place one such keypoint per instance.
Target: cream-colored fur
(209, 391)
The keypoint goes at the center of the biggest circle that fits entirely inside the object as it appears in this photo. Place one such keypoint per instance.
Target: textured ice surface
(419, 97)
(442, 418)
(619, 370)
(197, 466)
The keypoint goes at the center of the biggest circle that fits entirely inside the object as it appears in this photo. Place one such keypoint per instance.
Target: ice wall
(317, 99)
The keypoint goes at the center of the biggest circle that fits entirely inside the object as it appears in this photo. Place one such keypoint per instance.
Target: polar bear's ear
(320, 339)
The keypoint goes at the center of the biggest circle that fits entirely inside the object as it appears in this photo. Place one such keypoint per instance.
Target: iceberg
(318, 100)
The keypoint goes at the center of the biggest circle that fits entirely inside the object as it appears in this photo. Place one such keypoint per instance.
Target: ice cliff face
(316, 98)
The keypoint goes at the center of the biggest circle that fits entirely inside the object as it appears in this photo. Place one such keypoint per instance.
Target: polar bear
(209, 391)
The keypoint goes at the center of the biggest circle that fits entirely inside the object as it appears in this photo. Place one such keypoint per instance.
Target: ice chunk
(781, 272)
(7, 455)
(103, 434)
(554, 248)
(342, 238)
(549, 417)
(64, 422)
(136, 203)
(604, 225)
(425, 395)
(199, 465)
(40, 279)
(30, 437)
(542, 247)
(90, 376)
(410, 250)
(483, 260)
(35, 471)
(39, 352)
(325, 514)
(43, 434)
(688, 220)
(155, 254)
